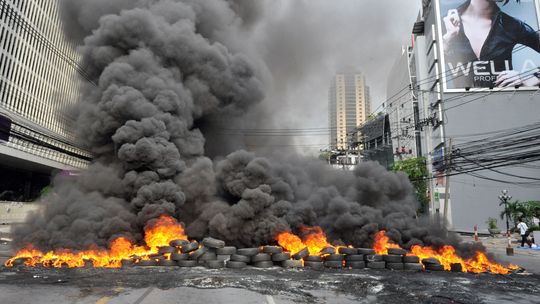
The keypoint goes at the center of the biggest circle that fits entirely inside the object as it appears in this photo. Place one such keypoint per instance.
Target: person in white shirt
(524, 232)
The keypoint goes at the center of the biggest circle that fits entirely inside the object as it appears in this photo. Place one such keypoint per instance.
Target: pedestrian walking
(524, 232)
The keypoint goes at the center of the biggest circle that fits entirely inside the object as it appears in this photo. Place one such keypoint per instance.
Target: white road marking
(270, 300)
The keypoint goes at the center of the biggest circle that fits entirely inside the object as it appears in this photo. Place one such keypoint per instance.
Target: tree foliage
(416, 170)
(526, 210)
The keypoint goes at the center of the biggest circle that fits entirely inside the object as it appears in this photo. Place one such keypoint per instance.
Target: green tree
(526, 210)
(416, 170)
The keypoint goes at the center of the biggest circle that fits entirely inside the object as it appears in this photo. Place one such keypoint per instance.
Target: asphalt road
(272, 286)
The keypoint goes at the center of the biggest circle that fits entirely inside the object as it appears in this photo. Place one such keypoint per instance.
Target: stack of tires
(372, 259)
(211, 253)
(263, 257)
(433, 264)
(397, 259)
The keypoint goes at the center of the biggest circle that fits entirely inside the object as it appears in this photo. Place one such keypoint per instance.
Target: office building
(469, 126)
(39, 83)
(349, 106)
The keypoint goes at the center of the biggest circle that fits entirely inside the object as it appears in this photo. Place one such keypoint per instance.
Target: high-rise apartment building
(349, 106)
(39, 82)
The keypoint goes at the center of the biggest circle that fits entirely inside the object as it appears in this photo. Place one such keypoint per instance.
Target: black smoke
(169, 75)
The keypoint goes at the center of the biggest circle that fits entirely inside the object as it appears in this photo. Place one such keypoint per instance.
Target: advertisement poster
(490, 44)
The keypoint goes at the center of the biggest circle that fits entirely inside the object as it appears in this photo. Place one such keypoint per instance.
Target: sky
(305, 42)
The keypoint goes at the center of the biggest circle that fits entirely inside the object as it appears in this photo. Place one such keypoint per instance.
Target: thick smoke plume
(169, 72)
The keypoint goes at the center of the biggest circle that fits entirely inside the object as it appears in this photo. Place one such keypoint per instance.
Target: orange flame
(382, 243)
(159, 232)
(290, 242)
(446, 255)
(162, 231)
(313, 238)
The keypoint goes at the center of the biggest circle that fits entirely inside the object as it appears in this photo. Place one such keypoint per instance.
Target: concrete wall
(15, 212)
(473, 200)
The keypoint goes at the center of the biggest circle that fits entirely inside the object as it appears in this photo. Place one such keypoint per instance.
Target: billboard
(491, 44)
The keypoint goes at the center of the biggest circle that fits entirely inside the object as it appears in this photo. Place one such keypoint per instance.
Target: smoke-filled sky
(171, 75)
(304, 42)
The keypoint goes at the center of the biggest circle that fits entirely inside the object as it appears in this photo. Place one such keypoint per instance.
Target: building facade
(402, 106)
(376, 138)
(455, 116)
(349, 106)
(40, 81)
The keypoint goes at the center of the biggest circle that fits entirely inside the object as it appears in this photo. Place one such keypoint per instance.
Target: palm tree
(514, 211)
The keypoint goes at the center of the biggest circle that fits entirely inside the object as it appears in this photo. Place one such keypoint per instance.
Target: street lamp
(505, 198)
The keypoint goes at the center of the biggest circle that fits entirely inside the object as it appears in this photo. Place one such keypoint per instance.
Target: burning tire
(167, 263)
(348, 251)
(411, 259)
(394, 266)
(127, 263)
(376, 265)
(291, 264)
(434, 267)
(413, 266)
(208, 256)
(301, 254)
(90, 264)
(390, 258)
(166, 249)
(146, 263)
(397, 251)
(228, 250)
(280, 257)
(354, 257)
(431, 261)
(195, 255)
(313, 258)
(366, 251)
(213, 243)
(314, 265)
(355, 264)
(236, 265)
(334, 257)
(373, 258)
(19, 262)
(188, 263)
(187, 248)
(178, 243)
(215, 264)
(179, 256)
(272, 249)
(248, 251)
(327, 250)
(240, 258)
(333, 264)
(263, 264)
(456, 267)
(261, 257)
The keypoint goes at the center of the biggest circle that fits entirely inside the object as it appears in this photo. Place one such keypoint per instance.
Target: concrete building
(376, 137)
(402, 106)
(39, 82)
(454, 115)
(349, 106)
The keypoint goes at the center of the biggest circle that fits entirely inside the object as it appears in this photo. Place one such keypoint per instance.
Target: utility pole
(504, 198)
(447, 178)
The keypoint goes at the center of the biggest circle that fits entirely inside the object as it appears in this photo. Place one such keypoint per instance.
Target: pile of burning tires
(213, 253)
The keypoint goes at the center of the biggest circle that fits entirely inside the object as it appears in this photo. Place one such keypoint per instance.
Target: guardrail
(15, 212)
